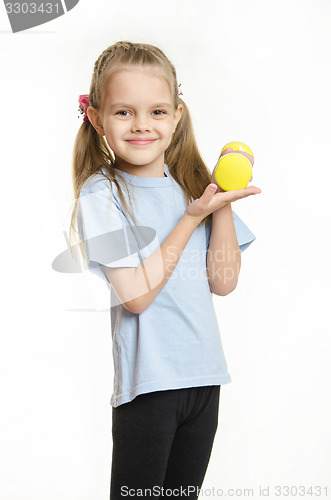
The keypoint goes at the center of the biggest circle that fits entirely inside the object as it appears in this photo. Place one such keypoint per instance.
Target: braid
(102, 60)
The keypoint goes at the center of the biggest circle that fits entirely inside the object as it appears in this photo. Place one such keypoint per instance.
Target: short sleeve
(108, 237)
(244, 235)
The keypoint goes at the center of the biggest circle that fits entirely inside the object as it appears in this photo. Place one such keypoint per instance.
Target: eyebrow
(126, 105)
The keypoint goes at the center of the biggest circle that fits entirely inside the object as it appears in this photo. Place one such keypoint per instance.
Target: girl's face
(138, 119)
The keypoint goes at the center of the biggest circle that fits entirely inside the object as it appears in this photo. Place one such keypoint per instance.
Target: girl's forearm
(154, 272)
(223, 256)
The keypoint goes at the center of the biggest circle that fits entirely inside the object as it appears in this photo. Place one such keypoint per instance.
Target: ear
(178, 114)
(95, 119)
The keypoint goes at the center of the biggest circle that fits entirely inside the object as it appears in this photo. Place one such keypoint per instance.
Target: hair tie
(83, 105)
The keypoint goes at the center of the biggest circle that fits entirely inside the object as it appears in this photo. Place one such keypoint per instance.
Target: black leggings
(163, 439)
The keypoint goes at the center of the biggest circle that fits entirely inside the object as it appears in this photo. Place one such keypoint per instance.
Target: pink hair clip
(83, 105)
(179, 89)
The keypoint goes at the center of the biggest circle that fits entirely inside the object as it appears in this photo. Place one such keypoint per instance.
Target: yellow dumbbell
(234, 170)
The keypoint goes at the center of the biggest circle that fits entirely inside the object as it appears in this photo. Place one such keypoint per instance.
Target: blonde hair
(91, 152)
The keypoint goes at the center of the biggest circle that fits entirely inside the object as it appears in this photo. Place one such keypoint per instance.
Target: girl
(154, 225)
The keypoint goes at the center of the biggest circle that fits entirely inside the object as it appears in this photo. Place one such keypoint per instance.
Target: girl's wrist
(223, 210)
(192, 219)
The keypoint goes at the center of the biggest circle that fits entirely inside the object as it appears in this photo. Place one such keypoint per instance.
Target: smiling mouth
(141, 142)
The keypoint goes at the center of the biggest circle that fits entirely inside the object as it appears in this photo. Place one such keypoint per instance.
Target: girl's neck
(141, 171)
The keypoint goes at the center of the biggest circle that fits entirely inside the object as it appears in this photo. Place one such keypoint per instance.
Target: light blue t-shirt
(175, 343)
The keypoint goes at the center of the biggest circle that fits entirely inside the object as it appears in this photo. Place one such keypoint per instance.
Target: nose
(141, 123)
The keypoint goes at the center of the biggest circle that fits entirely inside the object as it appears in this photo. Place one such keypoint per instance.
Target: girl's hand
(226, 151)
(211, 200)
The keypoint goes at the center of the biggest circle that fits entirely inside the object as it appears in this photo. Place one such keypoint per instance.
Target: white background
(255, 71)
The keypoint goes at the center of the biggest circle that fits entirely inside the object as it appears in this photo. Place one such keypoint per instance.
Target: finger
(209, 192)
(238, 194)
(253, 190)
(210, 189)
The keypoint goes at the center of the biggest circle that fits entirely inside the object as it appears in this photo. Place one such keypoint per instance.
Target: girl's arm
(138, 287)
(223, 256)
